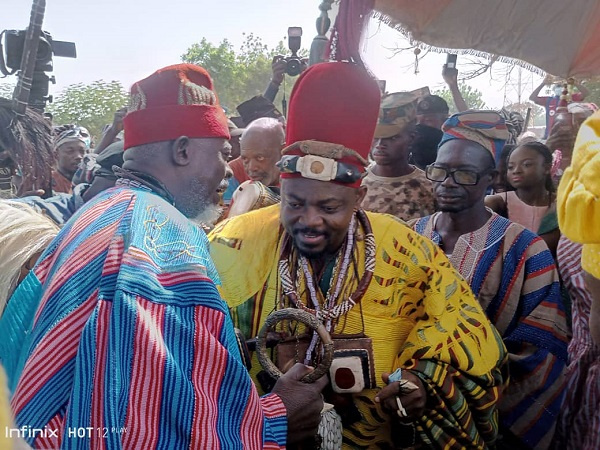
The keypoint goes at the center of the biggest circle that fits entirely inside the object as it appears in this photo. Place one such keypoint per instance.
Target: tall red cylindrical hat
(334, 103)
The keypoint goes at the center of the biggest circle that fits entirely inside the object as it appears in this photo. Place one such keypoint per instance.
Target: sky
(127, 40)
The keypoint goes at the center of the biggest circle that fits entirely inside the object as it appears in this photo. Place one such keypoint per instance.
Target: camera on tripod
(293, 62)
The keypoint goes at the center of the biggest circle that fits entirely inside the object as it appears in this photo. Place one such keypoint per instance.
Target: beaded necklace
(331, 309)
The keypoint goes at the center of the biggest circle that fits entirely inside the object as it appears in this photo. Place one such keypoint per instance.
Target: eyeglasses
(462, 177)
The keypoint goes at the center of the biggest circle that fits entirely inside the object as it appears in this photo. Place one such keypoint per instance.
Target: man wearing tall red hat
(416, 362)
(118, 337)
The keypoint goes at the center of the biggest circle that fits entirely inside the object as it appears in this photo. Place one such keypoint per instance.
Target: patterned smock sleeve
(455, 351)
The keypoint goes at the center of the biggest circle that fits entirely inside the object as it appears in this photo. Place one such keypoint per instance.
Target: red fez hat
(333, 112)
(175, 101)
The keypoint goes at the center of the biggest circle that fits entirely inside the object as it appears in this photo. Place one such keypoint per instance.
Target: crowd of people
(454, 261)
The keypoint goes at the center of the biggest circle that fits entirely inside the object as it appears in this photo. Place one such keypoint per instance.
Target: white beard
(208, 217)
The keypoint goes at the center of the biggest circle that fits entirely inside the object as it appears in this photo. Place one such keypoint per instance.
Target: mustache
(309, 231)
(439, 189)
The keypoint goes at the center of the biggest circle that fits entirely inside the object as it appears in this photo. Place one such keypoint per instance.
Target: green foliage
(90, 105)
(472, 96)
(242, 74)
(593, 86)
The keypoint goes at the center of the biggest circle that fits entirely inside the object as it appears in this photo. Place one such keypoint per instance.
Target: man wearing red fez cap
(131, 340)
(413, 350)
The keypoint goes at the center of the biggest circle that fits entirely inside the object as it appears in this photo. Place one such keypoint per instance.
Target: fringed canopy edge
(458, 51)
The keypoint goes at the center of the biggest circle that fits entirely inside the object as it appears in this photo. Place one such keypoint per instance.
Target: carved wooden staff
(320, 42)
(32, 39)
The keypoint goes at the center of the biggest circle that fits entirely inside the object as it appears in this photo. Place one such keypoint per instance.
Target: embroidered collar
(142, 181)
(478, 240)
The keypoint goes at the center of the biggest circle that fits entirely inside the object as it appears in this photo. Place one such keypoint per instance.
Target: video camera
(293, 62)
(14, 42)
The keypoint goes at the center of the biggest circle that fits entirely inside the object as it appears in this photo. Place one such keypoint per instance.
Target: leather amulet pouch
(352, 369)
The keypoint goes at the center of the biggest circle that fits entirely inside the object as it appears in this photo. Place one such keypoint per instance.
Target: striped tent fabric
(128, 338)
(512, 273)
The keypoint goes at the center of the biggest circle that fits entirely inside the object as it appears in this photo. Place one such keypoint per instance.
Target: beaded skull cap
(174, 101)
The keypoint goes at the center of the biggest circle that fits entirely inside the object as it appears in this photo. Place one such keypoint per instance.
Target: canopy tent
(556, 36)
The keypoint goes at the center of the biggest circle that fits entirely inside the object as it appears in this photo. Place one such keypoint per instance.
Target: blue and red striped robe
(120, 329)
(512, 273)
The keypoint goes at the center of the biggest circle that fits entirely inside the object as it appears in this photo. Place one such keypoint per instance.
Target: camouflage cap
(398, 110)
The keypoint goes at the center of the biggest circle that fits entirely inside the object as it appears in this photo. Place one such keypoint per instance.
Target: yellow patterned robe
(420, 314)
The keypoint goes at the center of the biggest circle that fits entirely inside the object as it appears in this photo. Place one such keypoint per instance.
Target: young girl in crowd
(501, 184)
(533, 202)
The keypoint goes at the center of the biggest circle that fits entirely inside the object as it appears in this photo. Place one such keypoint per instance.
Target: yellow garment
(578, 200)
(590, 259)
(416, 309)
(5, 413)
